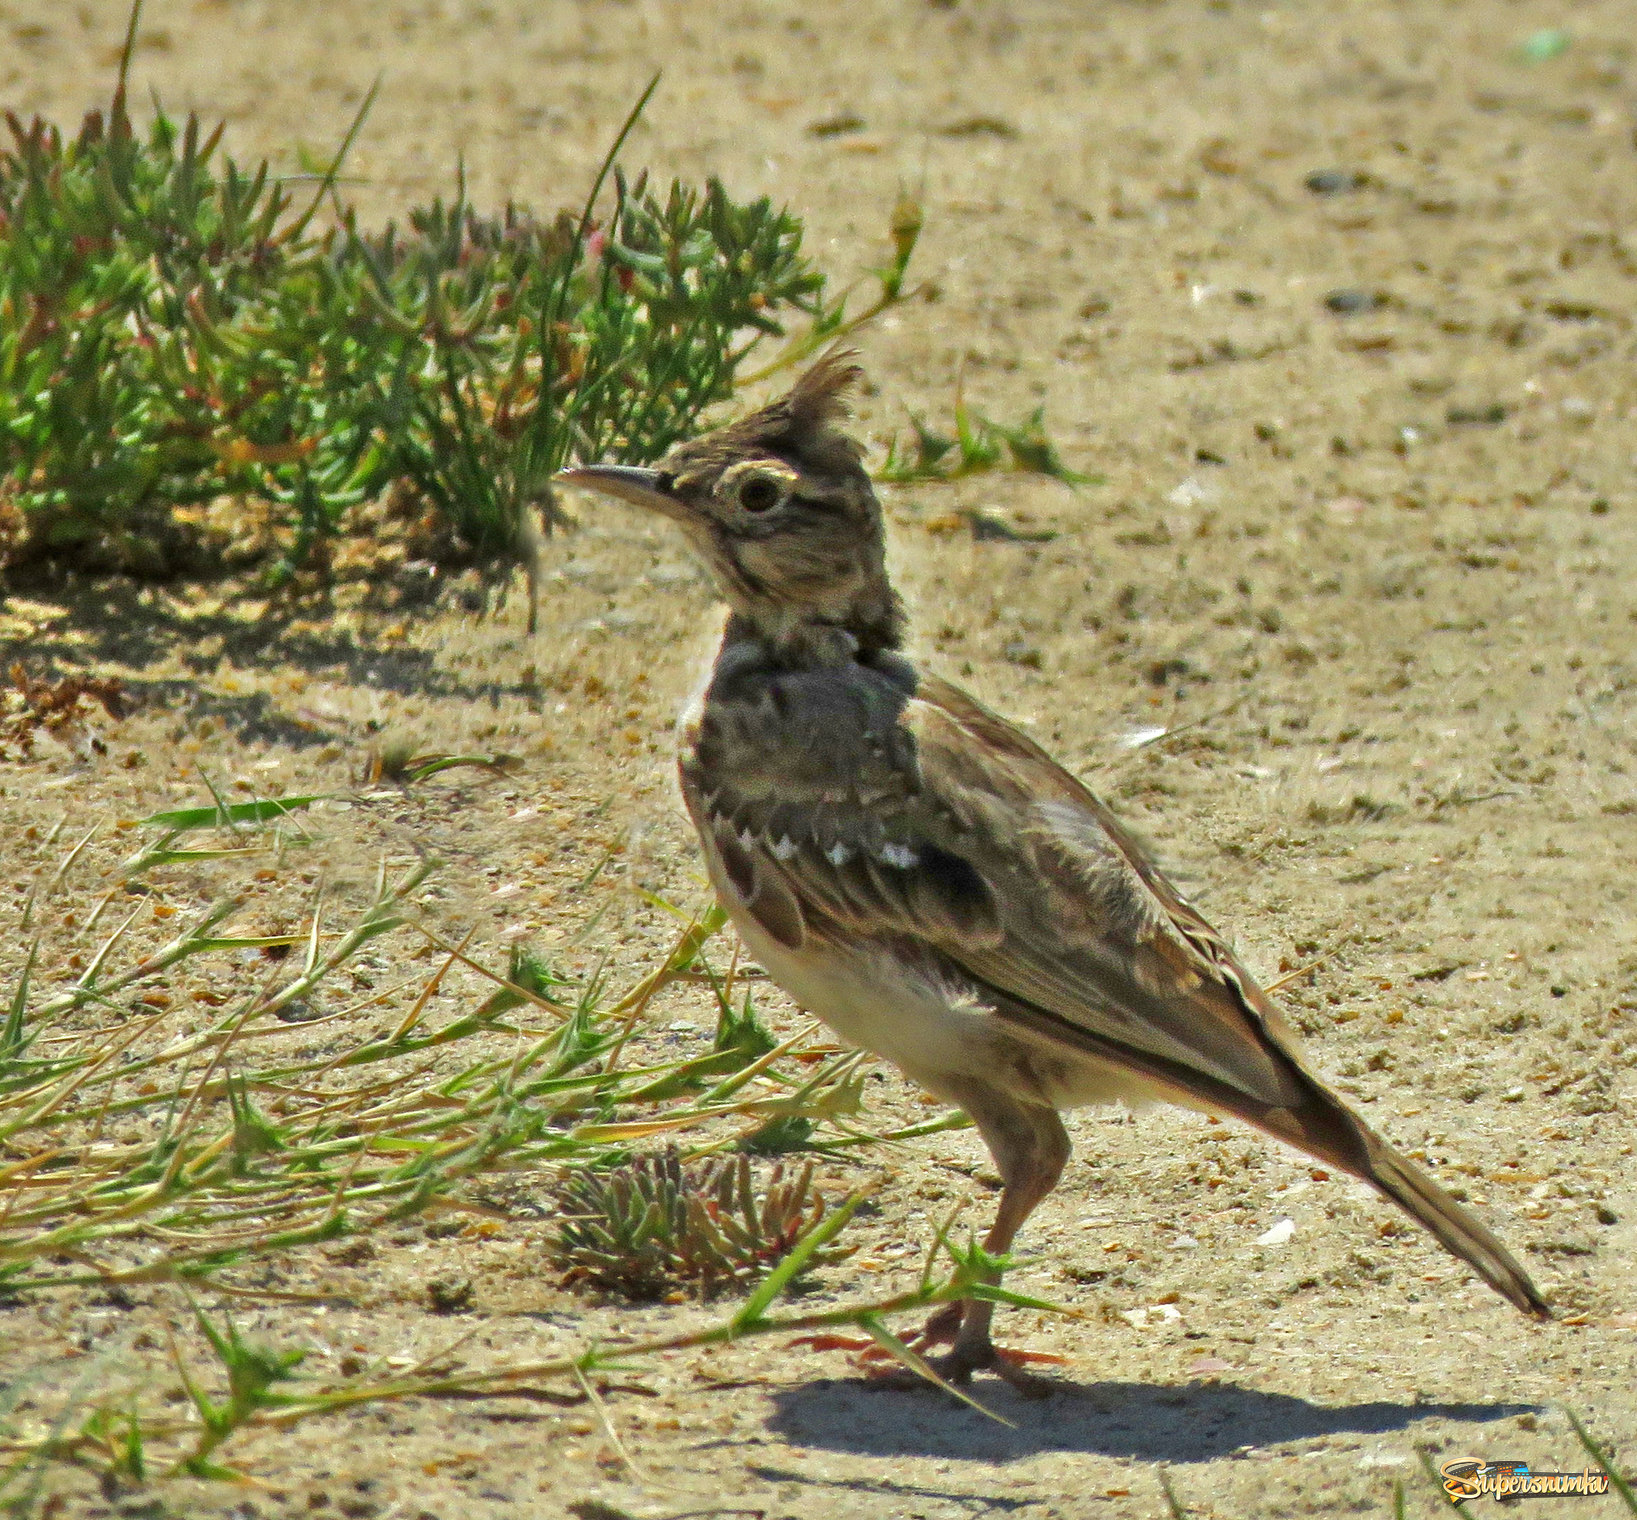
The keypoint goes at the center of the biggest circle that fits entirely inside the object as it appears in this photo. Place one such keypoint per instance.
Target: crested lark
(921, 875)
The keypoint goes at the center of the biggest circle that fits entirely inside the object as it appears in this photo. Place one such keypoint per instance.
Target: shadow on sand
(1141, 1421)
(135, 624)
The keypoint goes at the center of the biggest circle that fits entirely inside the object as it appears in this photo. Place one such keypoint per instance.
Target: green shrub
(176, 331)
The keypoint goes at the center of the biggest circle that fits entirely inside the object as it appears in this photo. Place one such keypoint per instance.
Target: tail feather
(1325, 1126)
(1458, 1231)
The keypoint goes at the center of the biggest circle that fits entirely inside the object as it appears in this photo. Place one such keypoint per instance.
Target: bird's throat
(793, 643)
(800, 638)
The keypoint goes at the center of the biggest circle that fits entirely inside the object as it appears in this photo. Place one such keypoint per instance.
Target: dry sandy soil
(1363, 565)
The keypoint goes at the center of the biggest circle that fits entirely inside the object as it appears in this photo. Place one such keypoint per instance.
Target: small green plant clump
(977, 445)
(659, 1226)
(177, 331)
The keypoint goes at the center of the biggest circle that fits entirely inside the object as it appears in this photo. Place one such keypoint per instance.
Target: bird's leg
(1030, 1149)
(973, 1349)
(942, 1326)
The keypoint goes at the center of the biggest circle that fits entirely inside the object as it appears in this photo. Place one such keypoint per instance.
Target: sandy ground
(1365, 566)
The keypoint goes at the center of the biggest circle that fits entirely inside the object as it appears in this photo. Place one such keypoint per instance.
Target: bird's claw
(884, 1368)
(823, 1342)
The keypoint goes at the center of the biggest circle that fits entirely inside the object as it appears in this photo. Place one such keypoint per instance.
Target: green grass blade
(1620, 1483)
(12, 1041)
(1434, 1477)
(219, 816)
(795, 1263)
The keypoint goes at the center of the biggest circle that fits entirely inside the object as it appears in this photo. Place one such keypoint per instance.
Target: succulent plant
(659, 1226)
(173, 328)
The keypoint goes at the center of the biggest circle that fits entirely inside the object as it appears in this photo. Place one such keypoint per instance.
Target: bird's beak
(642, 488)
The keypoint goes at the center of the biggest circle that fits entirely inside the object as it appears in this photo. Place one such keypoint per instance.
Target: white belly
(942, 1037)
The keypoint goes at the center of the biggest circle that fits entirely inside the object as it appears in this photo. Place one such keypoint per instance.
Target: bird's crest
(819, 398)
(802, 422)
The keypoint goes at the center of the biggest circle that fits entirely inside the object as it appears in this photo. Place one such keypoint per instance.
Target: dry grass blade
(613, 1436)
(1298, 972)
(222, 1145)
(1173, 1505)
(265, 1389)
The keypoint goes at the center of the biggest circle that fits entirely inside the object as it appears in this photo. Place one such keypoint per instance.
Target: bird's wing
(856, 809)
(1104, 941)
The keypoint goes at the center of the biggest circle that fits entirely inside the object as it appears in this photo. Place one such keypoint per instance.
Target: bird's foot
(963, 1359)
(957, 1366)
(940, 1329)
(1009, 1364)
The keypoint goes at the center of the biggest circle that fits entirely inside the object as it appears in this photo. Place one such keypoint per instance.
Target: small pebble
(1476, 416)
(841, 125)
(1333, 181)
(449, 1297)
(1352, 303)
(989, 529)
(1193, 492)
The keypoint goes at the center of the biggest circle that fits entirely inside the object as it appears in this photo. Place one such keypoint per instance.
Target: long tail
(1457, 1230)
(1325, 1126)
(1316, 1121)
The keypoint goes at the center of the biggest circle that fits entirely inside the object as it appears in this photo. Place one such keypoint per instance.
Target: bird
(922, 876)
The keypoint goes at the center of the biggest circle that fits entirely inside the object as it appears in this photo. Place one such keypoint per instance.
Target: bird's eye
(760, 493)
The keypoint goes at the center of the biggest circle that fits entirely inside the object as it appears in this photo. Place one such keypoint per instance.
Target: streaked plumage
(921, 875)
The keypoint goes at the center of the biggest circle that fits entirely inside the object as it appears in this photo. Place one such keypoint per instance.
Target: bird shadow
(1140, 1421)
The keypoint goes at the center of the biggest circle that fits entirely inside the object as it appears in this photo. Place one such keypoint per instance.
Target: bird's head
(780, 506)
